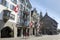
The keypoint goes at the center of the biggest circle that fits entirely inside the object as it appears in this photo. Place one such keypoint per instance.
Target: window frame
(14, 1)
(12, 17)
(12, 7)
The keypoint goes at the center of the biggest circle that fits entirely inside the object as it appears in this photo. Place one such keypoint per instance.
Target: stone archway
(6, 32)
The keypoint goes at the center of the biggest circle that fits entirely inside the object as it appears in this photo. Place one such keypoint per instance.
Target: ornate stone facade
(48, 25)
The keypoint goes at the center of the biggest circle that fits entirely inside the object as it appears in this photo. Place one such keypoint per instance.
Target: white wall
(1, 14)
(12, 12)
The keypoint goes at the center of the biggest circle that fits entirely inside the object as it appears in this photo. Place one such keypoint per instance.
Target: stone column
(35, 31)
(15, 32)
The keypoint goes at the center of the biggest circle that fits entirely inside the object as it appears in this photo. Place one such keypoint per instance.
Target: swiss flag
(31, 24)
(16, 9)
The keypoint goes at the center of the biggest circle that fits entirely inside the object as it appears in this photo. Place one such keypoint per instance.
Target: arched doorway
(33, 31)
(19, 29)
(6, 32)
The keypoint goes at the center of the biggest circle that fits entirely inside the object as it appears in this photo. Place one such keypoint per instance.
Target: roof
(46, 16)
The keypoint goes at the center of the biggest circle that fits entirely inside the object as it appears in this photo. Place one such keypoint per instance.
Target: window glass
(21, 6)
(21, 12)
(11, 7)
(6, 12)
(3, 2)
(0, 1)
(21, 17)
(18, 20)
(26, 9)
(21, 21)
(14, 1)
(6, 4)
(21, 1)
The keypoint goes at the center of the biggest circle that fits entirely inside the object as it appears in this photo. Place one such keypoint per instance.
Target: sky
(52, 7)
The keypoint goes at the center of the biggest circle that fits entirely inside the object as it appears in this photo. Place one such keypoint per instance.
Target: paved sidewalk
(43, 37)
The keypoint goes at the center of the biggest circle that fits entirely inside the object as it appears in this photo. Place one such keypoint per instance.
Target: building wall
(11, 23)
(23, 7)
(35, 21)
(8, 6)
(14, 16)
(48, 25)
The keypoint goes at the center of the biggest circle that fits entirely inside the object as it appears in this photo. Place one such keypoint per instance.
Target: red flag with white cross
(16, 8)
(31, 23)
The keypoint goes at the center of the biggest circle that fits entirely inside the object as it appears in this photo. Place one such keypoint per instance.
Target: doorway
(6, 32)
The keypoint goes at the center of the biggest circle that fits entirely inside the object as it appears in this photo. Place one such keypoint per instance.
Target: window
(4, 2)
(21, 1)
(26, 9)
(21, 14)
(21, 21)
(12, 7)
(18, 20)
(12, 16)
(18, 13)
(14, 1)
(6, 13)
(26, 23)
(0, 1)
(21, 6)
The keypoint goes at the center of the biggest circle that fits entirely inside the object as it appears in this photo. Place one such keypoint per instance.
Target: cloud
(52, 6)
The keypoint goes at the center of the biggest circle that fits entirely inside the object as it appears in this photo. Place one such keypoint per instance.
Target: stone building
(24, 19)
(47, 25)
(13, 14)
(8, 19)
(35, 22)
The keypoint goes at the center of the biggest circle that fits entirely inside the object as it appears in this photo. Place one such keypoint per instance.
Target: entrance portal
(6, 32)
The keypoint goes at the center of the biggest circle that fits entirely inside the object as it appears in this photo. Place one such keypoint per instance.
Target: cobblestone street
(43, 37)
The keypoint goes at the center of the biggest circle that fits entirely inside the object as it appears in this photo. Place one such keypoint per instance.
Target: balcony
(6, 15)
